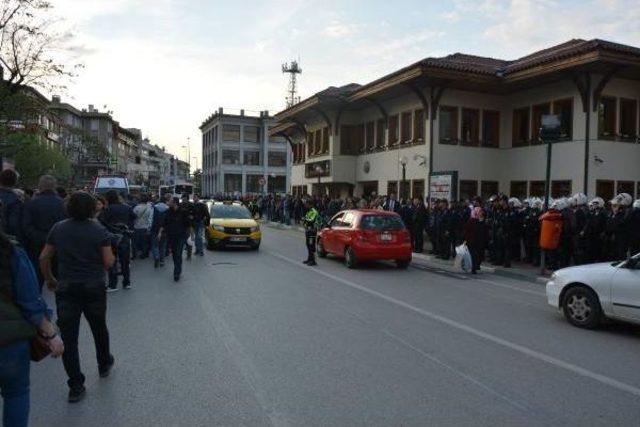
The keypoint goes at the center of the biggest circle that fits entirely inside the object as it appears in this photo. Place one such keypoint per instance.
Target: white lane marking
(515, 288)
(456, 371)
(603, 379)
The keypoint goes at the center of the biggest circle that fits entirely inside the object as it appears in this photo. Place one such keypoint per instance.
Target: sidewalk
(519, 271)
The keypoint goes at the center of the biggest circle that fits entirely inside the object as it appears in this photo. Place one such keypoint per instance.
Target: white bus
(177, 190)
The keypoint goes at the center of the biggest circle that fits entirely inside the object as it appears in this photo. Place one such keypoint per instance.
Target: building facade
(239, 156)
(476, 121)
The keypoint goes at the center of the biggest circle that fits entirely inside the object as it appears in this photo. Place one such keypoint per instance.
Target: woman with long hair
(23, 313)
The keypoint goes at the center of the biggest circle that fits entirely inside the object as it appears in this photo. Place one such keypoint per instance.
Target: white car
(589, 293)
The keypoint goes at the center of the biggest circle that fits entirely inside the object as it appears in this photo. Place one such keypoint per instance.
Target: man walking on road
(200, 221)
(142, 226)
(118, 218)
(40, 214)
(311, 230)
(82, 247)
(176, 228)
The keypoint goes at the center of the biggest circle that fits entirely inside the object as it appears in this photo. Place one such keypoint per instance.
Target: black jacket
(119, 213)
(39, 215)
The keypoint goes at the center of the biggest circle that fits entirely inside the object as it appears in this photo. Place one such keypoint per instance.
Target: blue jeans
(158, 247)
(15, 362)
(140, 237)
(198, 236)
(177, 246)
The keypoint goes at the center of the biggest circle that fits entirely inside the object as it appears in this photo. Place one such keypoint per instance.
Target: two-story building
(239, 156)
(475, 121)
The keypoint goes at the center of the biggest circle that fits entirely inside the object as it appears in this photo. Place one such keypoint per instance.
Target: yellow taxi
(232, 225)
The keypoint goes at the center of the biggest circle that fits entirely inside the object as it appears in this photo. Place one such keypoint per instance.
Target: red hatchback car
(366, 235)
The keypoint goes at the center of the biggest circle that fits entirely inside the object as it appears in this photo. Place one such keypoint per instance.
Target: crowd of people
(78, 245)
(502, 229)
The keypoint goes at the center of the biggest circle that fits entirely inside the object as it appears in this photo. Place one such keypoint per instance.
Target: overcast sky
(165, 65)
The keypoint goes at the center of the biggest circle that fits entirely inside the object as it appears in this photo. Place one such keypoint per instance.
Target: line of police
(591, 231)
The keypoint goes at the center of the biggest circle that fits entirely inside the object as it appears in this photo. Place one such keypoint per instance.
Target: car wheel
(320, 249)
(350, 258)
(256, 247)
(210, 245)
(582, 308)
(403, 264)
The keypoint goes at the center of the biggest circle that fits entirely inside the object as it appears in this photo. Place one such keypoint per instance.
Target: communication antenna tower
(293, 69)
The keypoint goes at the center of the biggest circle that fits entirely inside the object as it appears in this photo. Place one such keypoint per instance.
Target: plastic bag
(190, 241)
(462, 261)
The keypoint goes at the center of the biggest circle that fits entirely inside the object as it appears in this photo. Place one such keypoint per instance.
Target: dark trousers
(73, 300)
(124, 260)
(177, 246)
(417, 240)
(477, 256)
(310, 240)
(141, 242)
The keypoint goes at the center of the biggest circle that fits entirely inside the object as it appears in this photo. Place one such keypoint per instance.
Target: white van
(105, 183)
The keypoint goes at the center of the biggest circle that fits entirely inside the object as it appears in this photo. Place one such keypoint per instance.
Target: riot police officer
(310, 222)
(531, 231)
(580, 213)
(594, 230)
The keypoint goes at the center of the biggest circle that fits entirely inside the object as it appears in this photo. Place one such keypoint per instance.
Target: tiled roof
(483, 65)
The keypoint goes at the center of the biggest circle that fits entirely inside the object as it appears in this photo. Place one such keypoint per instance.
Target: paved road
(250, 338)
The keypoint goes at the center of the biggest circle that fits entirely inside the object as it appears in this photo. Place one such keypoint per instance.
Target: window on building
(518, 189)
(560, 189)
(393, 130)
(325, 140)
(277, 158)
(230, 157)
(370, 135)
(628, 119)
(252, 158)
(490, 128)
(231, 133)
(232, 182)
(417, 188)
(564, 109)
(405, 134)
(536, 188)
(348, 137)
(252, 134)
(309, 144)
(277, 184)
(253, 184)
(359, 138)
(380, 133)
(488, 189)
(317, 141)
(418, 126)
(448, 125)
(468, 189)
(392, 188)
(537, 112)
(470, 127)
(605, 188)
(95, 124)
(607, 118)
(625, 187)
(520, 127)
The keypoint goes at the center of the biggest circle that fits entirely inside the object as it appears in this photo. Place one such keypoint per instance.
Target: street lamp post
(319, 171)
(188, 148)
(403, 162)
(549, 132)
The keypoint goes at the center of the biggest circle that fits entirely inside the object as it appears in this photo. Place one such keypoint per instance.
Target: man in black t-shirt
(176, 228)
(82, 247)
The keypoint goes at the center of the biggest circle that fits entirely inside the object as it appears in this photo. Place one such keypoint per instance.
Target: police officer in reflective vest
(310, 221)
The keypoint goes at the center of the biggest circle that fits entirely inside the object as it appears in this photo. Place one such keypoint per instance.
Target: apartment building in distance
(471, 125)
(239, 156)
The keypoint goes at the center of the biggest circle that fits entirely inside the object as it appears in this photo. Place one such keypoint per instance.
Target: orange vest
(550, 230)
